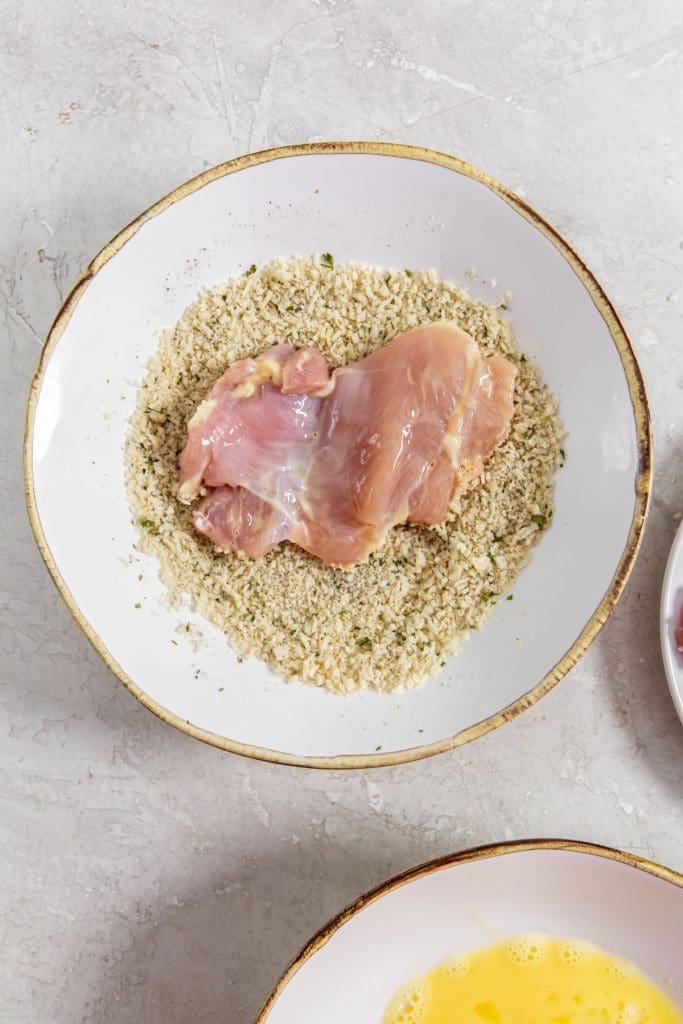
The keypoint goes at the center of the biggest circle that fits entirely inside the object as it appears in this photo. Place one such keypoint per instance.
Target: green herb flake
(488, 594)
(138, 605)
(539, 520)
(149, 524)
(327, 260)
(174, 642)
(250, 270)
(220, 689)
(379, 747)
(408, 273)
(498, 537)
(364, 642)
(139, 577)
(491, 558)
(509, 597)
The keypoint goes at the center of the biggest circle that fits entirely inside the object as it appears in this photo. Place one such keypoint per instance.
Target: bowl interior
(381, 209)
(470, 905)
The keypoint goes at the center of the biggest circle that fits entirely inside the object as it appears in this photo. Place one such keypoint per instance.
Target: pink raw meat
(332, 464)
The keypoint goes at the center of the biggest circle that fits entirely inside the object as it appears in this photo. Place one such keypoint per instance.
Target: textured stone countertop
(145, 877)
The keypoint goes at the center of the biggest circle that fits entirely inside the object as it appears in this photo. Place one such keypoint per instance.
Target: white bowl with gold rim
(376, 203)
(670, 620)
(627, 906)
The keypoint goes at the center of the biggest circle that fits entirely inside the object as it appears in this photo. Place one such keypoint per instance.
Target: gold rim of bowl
(638, 400)
(465, 857)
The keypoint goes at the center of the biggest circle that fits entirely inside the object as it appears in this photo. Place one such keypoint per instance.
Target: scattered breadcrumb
(391, 622)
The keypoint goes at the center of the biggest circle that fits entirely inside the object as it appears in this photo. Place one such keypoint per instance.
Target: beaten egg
(533, 980)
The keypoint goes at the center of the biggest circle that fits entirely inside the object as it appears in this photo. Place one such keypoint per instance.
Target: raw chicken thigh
(284, 451)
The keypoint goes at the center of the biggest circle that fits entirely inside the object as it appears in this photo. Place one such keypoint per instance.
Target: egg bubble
(576, 951)
(631, 1013)
(410, 1004)
(527, 950)
(456, 966)
(623, 970)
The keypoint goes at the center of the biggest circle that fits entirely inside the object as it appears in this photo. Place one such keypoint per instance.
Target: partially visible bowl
(630, 907)
(670, 617)
(392, 206)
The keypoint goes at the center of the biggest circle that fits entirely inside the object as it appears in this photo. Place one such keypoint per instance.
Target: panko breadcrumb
(390, 622)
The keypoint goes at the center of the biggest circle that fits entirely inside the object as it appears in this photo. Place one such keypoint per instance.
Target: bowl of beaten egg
(404, 236)
(546, 932)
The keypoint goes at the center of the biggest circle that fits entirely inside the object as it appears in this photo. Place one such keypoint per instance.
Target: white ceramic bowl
(349, 971)
(392, 206)
(670, 612)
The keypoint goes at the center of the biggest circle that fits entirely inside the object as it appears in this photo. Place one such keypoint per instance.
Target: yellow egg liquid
(533, 980)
